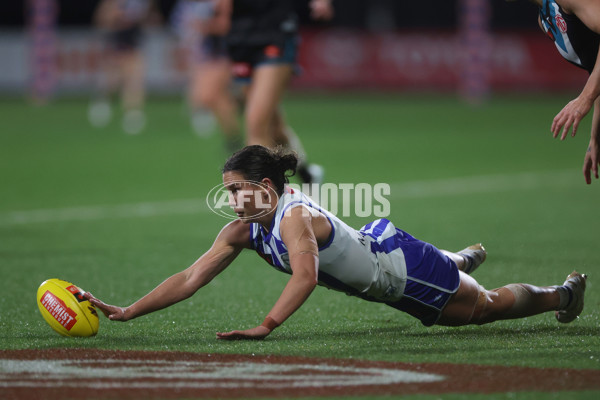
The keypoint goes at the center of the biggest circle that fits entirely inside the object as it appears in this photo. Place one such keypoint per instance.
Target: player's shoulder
(296, 220)
(297, 212)
(235, 233)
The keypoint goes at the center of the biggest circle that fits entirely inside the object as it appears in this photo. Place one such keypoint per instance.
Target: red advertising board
(420, 60)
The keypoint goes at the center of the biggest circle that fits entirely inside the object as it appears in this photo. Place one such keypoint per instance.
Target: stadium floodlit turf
(117, 214)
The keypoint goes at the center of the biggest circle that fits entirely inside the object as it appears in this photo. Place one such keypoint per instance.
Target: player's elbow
(305, 266)
(308, 277)
(310, 284)
(192, 281)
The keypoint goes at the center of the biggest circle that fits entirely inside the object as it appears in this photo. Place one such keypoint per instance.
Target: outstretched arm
(572, 114)
(184, 284)
(592, 155)
(298, 235)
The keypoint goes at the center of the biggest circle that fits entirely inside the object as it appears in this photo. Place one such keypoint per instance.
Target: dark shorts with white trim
(246, 58)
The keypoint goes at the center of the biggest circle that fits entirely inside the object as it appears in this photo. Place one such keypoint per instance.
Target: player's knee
(510, 301)
(207, 99)
(498, 303)
(255, 124)
(258, 132)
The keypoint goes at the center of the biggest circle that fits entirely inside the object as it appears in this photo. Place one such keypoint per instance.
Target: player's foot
(134, 122)
(311, 173)
(575, 285)
(99, 113)
(474, 256)
(203, 123)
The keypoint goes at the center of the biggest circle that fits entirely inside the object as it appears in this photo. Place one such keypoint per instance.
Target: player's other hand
(321, 9)
(570, 116)
(590, 162)
(258, 333)
(113, 313)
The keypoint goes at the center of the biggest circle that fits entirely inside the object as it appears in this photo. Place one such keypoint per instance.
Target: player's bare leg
(262, 102)
(100, 111)
(133, 91)
(472, 304)
(468, 259)
(265, 122)
(210, 89)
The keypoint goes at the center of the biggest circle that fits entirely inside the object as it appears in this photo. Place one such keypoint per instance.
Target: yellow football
(66, 310)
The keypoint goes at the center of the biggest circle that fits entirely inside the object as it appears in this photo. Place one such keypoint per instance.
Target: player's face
(251, 201)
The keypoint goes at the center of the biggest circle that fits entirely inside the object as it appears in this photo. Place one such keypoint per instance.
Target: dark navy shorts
(246, 58)
(432, 278)
(212, 47)
(125, 39)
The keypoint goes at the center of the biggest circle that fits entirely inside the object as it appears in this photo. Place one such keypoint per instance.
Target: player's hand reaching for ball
(258, 333)
(113, 313)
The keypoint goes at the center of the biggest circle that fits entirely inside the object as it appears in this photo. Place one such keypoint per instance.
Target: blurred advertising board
(329, 60)
(431, 61)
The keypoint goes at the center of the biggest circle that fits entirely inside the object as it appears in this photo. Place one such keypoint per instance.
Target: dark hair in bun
(258, 162)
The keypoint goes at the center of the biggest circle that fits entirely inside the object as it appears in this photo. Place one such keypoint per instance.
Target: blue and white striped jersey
(368, 263)
(573, 40)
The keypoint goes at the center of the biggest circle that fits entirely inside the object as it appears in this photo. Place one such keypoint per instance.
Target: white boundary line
(99, 212)
(148, 374)
(399, 190)
(486, 184)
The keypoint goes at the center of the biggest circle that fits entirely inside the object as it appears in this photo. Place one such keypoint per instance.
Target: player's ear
(268, 188)
(267, 182)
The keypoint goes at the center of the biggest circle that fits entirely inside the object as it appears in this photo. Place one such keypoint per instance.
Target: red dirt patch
(101, 374)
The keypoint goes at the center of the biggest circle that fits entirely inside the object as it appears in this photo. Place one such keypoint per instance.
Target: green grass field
(117, 214)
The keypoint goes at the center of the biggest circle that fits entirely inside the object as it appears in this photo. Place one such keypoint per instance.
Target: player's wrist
(128, 313)
(270, 323)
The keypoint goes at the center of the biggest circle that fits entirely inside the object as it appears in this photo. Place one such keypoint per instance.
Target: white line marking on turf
(89, 213)
(399, 190)
(485, 184)
(159, 374)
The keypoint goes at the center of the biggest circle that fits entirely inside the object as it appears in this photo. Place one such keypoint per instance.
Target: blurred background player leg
(263, 43)
(209, 97)
(120, 22)
(100, 111)
(132, 91)
(265, 121)
(210, 90)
